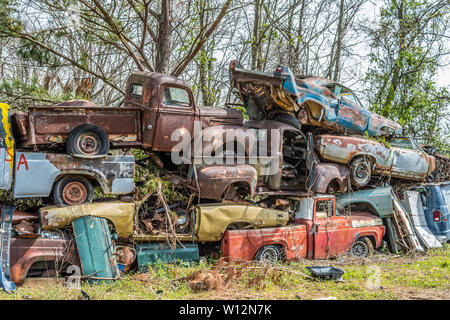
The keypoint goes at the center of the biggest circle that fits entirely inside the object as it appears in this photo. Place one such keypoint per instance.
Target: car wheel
(361, 248)
(360, 172)
(88, 140)
(270, 254)
(73, 190)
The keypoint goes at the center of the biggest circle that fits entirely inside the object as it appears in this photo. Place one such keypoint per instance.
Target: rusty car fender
(120, 213)
(213, 180)
(377, 232)
(25, 252)
(325, 173)
(212, 220)
(211, 138)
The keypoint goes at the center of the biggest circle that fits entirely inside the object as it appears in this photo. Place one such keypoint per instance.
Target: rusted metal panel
(25, 252)
(325, 173)
(394, 161)
(35, 173)
(213, 219)
(242, 245)
(364, 219)
(121, 214)
(52, 124)
(214, 179)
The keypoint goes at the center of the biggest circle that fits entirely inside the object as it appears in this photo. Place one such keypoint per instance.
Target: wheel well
(364, 155)
(314, 109)
(40, 266)
(334, 182)
(237, 225)
(369, 237)
(241, 186)
(91, 178)
(362, 206)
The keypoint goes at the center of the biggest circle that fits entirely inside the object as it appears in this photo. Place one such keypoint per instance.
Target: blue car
(311, 101)
(436, 205)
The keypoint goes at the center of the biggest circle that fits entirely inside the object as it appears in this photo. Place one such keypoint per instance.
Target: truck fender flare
(369, 156)
(20, 270)
(279, 242)
(367, 234)
(93, 174)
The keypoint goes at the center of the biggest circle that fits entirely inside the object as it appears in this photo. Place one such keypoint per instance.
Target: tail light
(437, 215)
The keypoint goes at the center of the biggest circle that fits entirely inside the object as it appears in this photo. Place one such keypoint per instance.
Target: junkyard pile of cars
(311, 174)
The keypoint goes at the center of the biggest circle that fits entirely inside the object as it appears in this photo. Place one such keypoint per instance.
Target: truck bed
(43, 125)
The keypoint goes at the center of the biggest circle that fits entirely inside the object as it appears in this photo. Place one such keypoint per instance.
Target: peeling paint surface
(394, 161)
(213, 219)
(120, 213)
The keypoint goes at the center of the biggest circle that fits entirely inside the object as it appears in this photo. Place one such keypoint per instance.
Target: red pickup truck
(316, 231)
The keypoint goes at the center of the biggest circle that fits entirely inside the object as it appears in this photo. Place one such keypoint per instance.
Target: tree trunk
(164, 38)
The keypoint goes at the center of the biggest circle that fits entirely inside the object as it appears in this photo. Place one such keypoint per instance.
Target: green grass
(400, 277)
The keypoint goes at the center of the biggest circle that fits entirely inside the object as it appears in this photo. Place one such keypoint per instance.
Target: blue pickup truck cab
(436, 206)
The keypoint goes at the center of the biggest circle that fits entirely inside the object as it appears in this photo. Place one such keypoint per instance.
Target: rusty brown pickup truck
(155, 105)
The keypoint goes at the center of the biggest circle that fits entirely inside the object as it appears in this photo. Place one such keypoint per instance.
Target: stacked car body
(280, 206)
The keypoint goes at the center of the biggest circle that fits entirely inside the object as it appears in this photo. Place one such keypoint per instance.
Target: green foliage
(404, 61)
(19, 94)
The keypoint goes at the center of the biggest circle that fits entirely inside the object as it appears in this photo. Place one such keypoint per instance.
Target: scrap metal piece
(214, 219)
(5, 236)
(413, 205)
(95, 249)
(120, 213)
(151, 253)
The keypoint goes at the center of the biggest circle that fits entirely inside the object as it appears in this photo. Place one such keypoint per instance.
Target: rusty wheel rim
(89, 143)
(74, 193)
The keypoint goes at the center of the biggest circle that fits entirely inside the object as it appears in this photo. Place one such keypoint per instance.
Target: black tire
(360, 172)
(73, 190)
(270, 254)
(288, 119)
(87, 140)
(361, 248)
